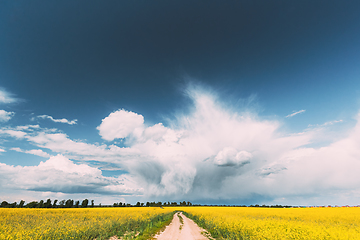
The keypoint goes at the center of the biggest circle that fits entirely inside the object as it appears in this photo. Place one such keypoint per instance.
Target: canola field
(275, 223)
(143, 222)
(82, 223)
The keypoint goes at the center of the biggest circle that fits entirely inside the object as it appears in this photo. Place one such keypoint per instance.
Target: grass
(181, 221)
(158, 224)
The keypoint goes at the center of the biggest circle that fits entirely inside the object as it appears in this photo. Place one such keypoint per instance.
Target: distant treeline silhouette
(85, 203)
(48, 204)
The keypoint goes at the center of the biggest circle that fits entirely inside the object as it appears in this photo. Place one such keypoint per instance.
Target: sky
(213, 102)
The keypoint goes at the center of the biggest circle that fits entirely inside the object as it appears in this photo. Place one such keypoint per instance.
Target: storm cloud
(214, 152)
(211, 152)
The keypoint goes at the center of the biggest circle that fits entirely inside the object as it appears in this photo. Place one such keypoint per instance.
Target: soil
(186, 229)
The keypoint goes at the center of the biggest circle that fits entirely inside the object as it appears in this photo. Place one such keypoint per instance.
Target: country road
(185, 229)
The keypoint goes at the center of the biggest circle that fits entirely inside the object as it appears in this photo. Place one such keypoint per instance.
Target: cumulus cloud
(295, 113)
(59, 174)
(211, 152)
(231, 157)
(201, 150)
(37, 152)
(120, 124)
(217, 153)
(62, 120)
(5, 116)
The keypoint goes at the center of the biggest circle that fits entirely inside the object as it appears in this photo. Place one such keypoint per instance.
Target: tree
(138, 204)
(54, 205)
(21, 204)
(69, 203)
(84, 203)
(77, 203)
(48, 204)
(40, 204)
(62, 203)
(32, 204)
(147, 204)
(92, 203)
(4, 204)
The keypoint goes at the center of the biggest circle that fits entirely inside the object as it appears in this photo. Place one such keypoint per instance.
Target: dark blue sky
(85, 59)
(123, 53)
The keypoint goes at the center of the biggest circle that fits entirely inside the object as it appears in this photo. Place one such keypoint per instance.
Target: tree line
(49, 204)
(153, 204)
(85, 203)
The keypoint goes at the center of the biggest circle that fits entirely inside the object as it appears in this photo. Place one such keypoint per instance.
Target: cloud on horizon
(215, 153)
(59, 174)
(210, 153)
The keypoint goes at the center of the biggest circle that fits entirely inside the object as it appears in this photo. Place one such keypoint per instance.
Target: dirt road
(181, 228)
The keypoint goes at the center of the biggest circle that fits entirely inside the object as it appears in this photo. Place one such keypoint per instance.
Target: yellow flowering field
(278, 223)
(81, 223)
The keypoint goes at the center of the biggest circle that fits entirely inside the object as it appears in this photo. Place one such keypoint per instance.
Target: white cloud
(27, 127)
(16, 149)
(19, 132)
(120, 124)
(5, 116)
(6, 97)
(295, 113)
(13, 133)
(59, 174)
(2, 150)
(59, 142)
(205, 148)
(63, 120)
(231, 157)
(213, 152)
(332, 122)
(326, 123)
(37, 152)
